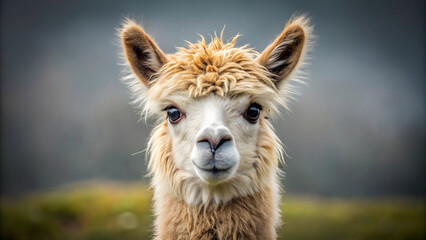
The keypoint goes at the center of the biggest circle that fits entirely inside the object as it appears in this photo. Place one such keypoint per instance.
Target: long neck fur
(248, 216)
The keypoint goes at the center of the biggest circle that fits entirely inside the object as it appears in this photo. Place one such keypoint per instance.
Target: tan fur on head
(229, 80)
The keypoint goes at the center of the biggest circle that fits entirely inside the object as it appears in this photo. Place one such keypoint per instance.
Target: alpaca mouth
(213, 169)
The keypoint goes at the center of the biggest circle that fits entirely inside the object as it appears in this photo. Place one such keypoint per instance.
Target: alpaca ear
(282, 57)
(143, 55)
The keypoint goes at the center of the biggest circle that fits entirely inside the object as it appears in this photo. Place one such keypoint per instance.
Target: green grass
(313, 218)
(123, 211)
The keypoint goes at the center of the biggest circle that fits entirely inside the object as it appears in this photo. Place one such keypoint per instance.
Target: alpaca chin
(215, 176)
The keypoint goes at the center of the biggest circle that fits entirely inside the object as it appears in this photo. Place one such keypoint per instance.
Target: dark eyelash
(257, 105)
(167, 107)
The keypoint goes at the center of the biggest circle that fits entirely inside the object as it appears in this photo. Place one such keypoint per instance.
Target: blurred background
(355, 139)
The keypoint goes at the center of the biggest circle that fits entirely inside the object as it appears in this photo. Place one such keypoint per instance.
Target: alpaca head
(212, 101)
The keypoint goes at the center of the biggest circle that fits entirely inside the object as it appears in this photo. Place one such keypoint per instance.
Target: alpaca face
(214, 138)
(214, 141)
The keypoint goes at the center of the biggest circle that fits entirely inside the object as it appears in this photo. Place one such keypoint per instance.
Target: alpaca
(213, 156)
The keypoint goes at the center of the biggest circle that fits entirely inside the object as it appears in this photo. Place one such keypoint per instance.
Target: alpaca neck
(249, 217)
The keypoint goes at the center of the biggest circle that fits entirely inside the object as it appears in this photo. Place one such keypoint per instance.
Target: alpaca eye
(174, 115)
(253, 112)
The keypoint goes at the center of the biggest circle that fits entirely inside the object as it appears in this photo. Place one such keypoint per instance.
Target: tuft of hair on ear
(285, 57)
(142, 54)
(141, 59)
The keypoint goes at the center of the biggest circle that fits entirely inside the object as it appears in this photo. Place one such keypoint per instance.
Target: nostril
(221, 142)
(216, 145)
(206, 140)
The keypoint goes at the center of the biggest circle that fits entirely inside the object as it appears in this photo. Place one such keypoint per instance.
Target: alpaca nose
(215, 137)
(214, 144)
